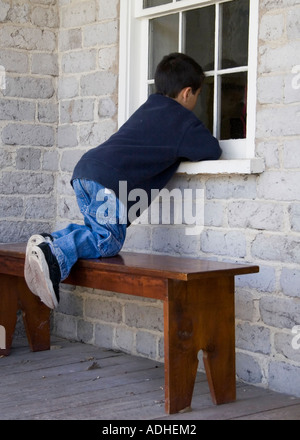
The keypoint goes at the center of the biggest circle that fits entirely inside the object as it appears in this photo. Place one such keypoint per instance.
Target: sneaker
(37, 239)
(43, 274)
(34, 240)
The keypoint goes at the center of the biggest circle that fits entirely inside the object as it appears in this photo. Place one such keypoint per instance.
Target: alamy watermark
(2, 78)
(296, 78)
(175, 207)
(2, 338)
(296, 338)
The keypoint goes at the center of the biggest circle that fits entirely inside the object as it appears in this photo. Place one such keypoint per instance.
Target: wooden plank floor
(74, 381)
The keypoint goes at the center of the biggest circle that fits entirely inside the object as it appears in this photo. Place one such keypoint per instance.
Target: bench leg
(15, 295)
(36, 317)
(199, 315)
(8, 313)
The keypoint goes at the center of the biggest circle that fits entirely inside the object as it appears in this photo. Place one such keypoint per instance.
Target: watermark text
(296, 338)
(296, 78)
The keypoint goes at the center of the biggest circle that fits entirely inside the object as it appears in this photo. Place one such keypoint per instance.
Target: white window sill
(235, 166)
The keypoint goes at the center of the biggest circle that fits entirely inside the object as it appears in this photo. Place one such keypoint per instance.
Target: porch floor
(75, 381)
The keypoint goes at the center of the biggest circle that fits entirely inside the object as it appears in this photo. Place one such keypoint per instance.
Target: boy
(144, 154)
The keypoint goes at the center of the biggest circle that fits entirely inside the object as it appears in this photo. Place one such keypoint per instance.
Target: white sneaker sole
(34, 240)
(38, 278)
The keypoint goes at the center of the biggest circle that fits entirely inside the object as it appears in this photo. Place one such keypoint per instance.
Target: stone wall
(28, 117)
(61, 98)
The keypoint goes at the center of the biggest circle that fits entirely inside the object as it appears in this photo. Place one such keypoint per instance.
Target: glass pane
(163, 39)
(235, 29)
(200, 36)
(152, 3)
(234, 106)
(205, 105)
(151, 89)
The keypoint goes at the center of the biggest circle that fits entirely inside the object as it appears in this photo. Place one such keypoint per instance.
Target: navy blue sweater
(148, 149)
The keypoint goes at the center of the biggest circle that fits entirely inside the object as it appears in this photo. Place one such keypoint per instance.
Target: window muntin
(153, 3)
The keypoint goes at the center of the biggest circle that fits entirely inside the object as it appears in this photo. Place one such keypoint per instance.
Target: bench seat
(199, 312)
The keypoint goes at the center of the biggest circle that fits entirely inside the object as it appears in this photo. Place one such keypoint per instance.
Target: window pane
(235, 28)
(234, 106)
(205, 105)
(200, 36)
(151, 89)
(152, 3)
(163, 39)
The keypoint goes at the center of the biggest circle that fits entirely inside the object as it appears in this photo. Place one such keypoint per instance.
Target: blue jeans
(104, 230)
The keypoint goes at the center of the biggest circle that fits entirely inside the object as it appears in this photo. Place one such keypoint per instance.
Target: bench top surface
(161, 266)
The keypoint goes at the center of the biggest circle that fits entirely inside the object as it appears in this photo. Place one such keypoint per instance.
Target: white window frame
(238, 154)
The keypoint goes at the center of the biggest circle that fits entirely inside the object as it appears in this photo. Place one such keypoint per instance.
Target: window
(222, 37)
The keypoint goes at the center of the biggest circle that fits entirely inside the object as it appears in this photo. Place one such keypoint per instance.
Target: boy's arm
(199, 144)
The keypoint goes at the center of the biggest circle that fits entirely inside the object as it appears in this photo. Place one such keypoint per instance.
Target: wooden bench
(199, 312)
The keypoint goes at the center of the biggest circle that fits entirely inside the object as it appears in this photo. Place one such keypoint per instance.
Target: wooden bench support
(199, 317)
(15, 296)
(198, 297)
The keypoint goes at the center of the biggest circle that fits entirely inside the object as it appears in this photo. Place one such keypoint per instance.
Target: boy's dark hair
(177, 71)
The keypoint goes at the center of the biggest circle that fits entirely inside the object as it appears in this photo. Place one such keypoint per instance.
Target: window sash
(134, 80)
(175, 6)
